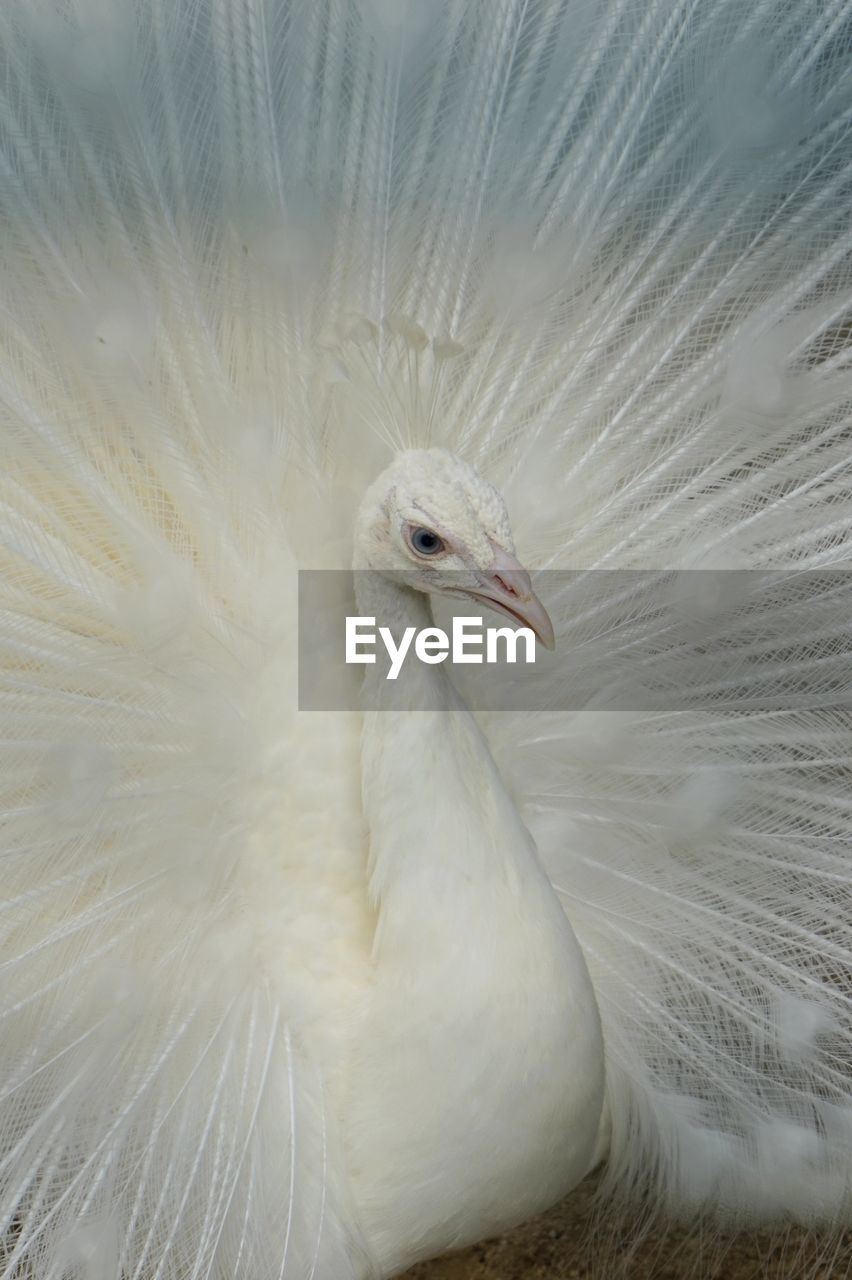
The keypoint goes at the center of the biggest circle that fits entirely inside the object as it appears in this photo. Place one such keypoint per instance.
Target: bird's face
(433, 523)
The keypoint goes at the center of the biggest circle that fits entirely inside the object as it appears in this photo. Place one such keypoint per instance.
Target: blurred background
(572, 1243)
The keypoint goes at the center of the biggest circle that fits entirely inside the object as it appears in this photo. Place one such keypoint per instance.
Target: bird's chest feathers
(482, 1046)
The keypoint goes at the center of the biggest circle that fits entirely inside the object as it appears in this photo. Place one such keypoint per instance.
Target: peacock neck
(441, 820)
(477, 1078)
(419, 686)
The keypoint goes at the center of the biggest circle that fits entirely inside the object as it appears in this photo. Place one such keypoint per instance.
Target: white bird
(295, 993)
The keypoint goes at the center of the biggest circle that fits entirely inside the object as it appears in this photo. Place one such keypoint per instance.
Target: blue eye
(425, 542)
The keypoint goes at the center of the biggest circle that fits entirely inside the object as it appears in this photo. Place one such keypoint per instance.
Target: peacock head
(434, 524)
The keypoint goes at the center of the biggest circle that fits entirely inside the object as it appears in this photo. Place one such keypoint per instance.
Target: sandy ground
(561, 1245)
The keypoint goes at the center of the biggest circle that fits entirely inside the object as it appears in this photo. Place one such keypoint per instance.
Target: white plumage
(292, 994)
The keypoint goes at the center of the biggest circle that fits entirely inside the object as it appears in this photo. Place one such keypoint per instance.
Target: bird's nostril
(506, 584)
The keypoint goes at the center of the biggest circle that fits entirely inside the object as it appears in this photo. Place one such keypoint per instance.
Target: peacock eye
(425, 542)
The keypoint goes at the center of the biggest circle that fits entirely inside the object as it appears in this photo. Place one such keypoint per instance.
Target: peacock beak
(506, 588)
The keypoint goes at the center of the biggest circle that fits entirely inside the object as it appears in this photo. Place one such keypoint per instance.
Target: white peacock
(339, 283)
